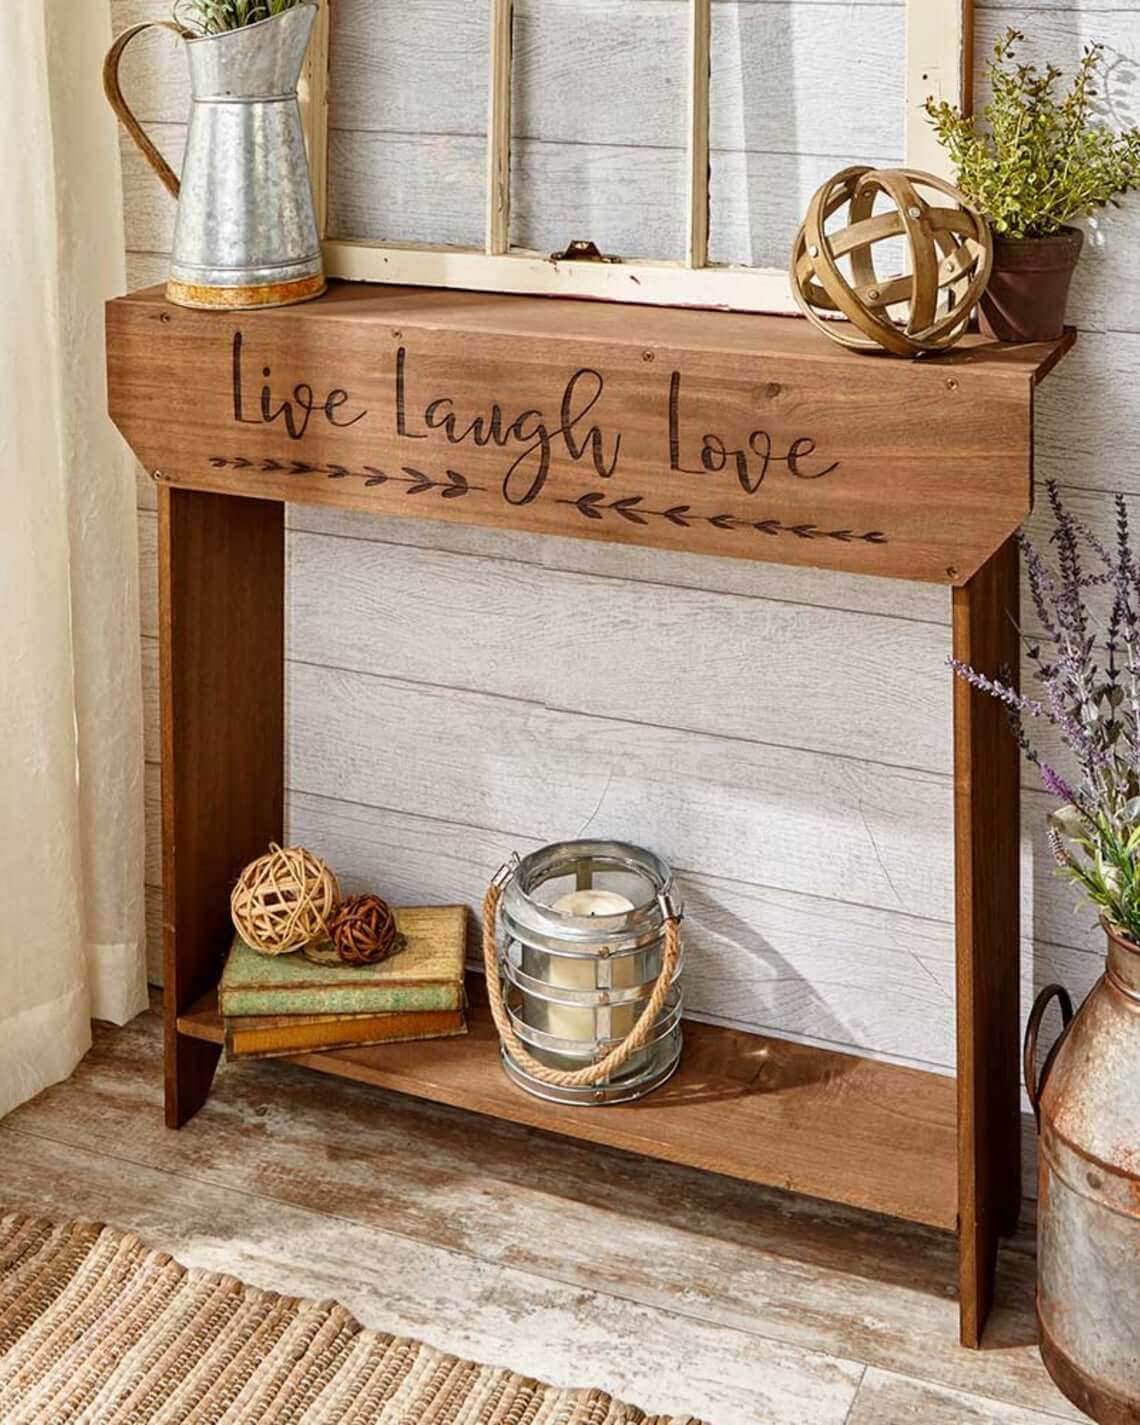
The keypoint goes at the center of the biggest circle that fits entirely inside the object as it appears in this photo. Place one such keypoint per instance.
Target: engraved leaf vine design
(593, 505)
(450, 486)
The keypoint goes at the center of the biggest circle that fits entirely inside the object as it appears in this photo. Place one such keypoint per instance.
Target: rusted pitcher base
(1105, 1407)
(271, 294)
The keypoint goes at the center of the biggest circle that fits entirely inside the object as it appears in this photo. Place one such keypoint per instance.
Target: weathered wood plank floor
(671, 1288)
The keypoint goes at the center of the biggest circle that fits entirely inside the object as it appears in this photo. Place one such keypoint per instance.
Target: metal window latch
(582, 250)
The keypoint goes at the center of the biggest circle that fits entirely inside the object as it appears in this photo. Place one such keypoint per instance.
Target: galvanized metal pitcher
(246, 232)
(1088, 1235)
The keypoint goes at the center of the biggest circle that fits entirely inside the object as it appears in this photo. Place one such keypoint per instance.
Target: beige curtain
(71, 815)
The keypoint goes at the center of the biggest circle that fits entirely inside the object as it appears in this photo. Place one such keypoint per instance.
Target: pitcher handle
(114, 93)
(1034, 1084)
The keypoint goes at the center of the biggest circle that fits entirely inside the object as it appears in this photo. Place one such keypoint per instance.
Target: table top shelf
(705, 432)
(767, 1110)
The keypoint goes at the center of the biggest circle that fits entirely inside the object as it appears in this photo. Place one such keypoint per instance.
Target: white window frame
(939, 52)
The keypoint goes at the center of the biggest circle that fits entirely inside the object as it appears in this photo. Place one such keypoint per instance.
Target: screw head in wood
(914, 212)
(873, 293)
(813, 251)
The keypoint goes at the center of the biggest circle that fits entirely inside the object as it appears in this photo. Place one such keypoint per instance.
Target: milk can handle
(620, 1054)
(114, 93)
(1034, 1086)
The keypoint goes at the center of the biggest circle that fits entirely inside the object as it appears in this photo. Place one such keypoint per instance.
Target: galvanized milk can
(1087, 1103)
(246, 232)
(582, 952)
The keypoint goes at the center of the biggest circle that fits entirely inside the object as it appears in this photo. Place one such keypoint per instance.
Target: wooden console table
(714, 433)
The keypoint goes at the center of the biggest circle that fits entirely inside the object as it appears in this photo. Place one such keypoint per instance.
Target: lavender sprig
(1093, 704)
(1010, 696)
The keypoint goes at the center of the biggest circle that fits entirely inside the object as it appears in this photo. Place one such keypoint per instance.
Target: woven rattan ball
(284, 900)
(363, 931)
(950, 253)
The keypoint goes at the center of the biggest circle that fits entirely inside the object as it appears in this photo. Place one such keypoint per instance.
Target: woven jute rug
(96, 1327)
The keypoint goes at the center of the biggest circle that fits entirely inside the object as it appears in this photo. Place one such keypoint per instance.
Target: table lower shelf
(767, 1110)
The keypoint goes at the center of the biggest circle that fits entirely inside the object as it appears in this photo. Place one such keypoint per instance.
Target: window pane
(599, 124)
(408, 120)
(799, 89)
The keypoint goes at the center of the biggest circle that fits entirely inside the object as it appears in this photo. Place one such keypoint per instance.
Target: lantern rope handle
(620, 1055)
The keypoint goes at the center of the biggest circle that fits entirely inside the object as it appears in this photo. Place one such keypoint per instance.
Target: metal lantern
(583, 957)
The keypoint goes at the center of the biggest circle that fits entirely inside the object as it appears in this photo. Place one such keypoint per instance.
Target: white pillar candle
(572, 1022)
(592, 903)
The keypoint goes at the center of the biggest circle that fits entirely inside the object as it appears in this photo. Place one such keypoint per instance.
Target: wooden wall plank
(615, 651)
(407, 187)
(832, 79)
(615, 72)
(722, 806)
(148, 209)
(378, 44)
(757, 199)
(154, 73)
(926, 603)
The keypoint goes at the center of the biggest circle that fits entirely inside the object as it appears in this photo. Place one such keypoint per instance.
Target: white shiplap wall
(782, 736)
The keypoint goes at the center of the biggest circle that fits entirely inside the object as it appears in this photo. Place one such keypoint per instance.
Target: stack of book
(274, 1006)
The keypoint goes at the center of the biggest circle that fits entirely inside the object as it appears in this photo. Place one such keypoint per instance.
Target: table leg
(987, 902)
(221, 609)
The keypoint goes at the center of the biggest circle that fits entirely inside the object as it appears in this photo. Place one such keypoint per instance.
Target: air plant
(1089, 675)
(214, 17)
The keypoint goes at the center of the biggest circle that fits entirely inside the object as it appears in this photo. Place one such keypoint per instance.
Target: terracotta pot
(1087, 1098)
(1029, 286)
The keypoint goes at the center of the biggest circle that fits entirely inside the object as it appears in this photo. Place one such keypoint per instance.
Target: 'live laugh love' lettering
(529, 437)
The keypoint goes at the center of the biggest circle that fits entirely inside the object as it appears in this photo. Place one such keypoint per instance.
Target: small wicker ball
(363, 931)
(950, 255)
(284, 900)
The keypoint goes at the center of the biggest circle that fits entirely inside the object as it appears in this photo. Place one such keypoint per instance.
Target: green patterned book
(427, 974)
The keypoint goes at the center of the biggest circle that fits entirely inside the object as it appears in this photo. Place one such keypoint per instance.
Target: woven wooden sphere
(950, 254)
(363, 930)
(284, 900)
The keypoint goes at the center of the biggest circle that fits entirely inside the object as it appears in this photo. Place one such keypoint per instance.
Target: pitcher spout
(259, 61)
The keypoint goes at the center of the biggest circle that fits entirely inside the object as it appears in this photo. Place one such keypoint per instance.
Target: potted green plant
(1041, 159)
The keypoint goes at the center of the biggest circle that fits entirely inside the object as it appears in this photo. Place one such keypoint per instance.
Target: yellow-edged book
(275, 1036)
